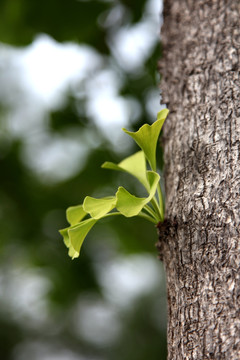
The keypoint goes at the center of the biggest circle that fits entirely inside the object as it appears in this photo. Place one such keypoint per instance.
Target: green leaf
(75, 214)
(162, 115)
(134, 165)
(130, 205)
(74, 236)
(78, 233)
(97, 208)
(71, 252)
(146, 137)
(64, 233)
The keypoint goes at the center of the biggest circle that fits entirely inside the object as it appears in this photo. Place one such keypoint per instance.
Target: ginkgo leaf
(71, 252)
(130, 205)
(126, 204)
(64, 233)
(78, 233)
(75, 214)
(74, 236)
(146, 137)
(97, 208)
(134, 165)
(162, 115)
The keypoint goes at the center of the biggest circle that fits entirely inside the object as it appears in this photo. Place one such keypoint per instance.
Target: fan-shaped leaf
(74, 236)
(146, 137)
(134, 165)
(78, 233)
(97, 208)
(130, 205)
(75, 214)
(64, 233)
(71, 252)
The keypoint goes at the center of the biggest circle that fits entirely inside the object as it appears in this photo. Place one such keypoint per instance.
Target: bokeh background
(72, 74)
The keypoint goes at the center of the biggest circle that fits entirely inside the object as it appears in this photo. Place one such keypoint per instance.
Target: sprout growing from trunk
(82, 217)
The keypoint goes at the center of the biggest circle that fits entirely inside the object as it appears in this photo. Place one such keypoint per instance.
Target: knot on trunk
(166, 231)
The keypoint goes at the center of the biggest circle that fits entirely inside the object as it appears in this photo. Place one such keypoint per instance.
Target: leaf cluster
(82, 217)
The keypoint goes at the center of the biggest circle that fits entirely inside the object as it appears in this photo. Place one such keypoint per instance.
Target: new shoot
(82, 217)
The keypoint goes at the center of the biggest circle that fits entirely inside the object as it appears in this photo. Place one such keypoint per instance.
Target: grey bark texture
(200, 239)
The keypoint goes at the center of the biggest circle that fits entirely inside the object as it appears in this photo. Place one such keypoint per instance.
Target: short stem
(141, 214)
(156, 207)
(151, 212)
(147, 217)
(160, 198)
(111, 214)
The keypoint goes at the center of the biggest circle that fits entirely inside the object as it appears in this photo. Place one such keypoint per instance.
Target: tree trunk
(199, 242)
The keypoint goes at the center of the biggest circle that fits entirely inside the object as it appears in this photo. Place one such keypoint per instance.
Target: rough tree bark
(200, 241)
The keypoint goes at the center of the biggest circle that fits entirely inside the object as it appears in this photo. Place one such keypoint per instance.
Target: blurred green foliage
(32, 209)
(68, 20)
